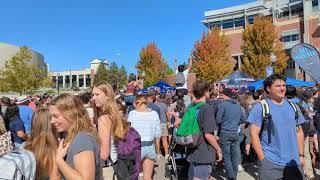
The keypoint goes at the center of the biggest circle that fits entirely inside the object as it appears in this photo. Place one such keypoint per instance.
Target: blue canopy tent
(237, 80)
(290, 81)
(161, 86)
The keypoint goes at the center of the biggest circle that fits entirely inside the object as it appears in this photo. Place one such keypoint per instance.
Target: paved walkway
(249, 173)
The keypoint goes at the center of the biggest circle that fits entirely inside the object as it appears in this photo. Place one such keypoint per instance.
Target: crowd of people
(75, 136)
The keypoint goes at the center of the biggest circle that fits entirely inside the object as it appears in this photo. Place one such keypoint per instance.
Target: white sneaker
(240, 168)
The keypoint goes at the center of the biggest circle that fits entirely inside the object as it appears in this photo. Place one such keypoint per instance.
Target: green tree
(113, 74)
(21, 74)
(260, 40)
(152, 63)
(211, 57)
(122, 77)
(101, 74)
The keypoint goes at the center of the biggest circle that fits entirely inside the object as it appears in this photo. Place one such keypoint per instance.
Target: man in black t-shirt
(203, 156)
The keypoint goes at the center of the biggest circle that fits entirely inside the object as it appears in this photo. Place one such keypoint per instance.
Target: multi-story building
(77, 78)
(296, 21)
(7, 51)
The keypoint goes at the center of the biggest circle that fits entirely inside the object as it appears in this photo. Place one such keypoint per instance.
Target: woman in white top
(110, 126)
(147, 123)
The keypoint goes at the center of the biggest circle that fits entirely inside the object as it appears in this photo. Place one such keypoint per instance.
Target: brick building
(296, 21)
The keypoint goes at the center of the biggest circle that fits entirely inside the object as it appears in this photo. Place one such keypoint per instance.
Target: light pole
(58, 87)
(269, 69)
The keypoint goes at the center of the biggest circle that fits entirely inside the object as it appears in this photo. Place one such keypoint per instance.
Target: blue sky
(71, 33)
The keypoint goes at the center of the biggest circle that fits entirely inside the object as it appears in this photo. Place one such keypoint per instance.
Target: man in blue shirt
(283, 156)
(26, 113)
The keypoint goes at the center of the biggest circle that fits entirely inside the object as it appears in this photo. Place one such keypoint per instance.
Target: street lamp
(269, 69)
(58, 88)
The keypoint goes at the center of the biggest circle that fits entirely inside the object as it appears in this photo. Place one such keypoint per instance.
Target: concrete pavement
(250, 172)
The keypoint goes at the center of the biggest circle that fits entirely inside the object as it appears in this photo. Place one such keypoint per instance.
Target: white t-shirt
(185, 73)
(146, 123)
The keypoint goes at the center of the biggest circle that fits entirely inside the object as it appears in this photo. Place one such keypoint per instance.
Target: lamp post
(269, 69)
(58, 87)
(273, 58)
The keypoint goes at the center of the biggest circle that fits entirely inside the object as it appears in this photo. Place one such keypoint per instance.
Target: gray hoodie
(230, 115)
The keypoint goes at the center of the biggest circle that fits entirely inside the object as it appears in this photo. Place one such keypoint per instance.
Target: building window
(215, 24)
(292, 1)
(227, 24)
(296, 10)
(251, 19)
(315, 5)
(290, 38)
(239, 22)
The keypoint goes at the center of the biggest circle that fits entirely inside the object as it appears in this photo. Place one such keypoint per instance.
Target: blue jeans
(230, 145)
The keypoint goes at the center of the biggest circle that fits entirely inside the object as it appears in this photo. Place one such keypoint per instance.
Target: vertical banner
(307, 57)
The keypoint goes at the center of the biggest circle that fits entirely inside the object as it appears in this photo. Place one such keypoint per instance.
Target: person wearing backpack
(229, 117)
(182, 77)
(147, 123)
(203, 154)
(276, 133)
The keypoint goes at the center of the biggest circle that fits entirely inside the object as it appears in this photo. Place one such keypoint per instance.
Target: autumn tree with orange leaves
(211, 57)
(260, 40)
(152, 64)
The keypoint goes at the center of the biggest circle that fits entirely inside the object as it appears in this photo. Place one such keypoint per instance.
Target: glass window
(227, 24)
(294, 37)
(251, 19)
(239, 22)
(296, 9)
(315, 3)
(286, 38)
(215, 24)
(292, 1)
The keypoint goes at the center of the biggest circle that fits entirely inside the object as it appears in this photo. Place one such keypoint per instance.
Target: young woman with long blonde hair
(78, 154)
(147, 123)
(110, 125)
(43, 143)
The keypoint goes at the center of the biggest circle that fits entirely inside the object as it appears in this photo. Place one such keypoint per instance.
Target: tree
(211, 57)
(101, 74)
(152, 63)
(260, 40)
(122, 77)
(21, 74)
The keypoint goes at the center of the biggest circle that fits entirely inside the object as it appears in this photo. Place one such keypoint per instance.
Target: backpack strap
(296, 110)
(266, 119)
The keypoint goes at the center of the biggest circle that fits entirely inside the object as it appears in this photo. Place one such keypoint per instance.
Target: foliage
(259, 41)
(170, 71)
(21, 74)
(211, 57)
(117, 76)
(101, 74)
(152, 63)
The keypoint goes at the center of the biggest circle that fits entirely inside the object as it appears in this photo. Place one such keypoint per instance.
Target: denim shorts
(148, 150)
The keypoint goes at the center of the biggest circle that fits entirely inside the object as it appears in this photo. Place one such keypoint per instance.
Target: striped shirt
(146, 123)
